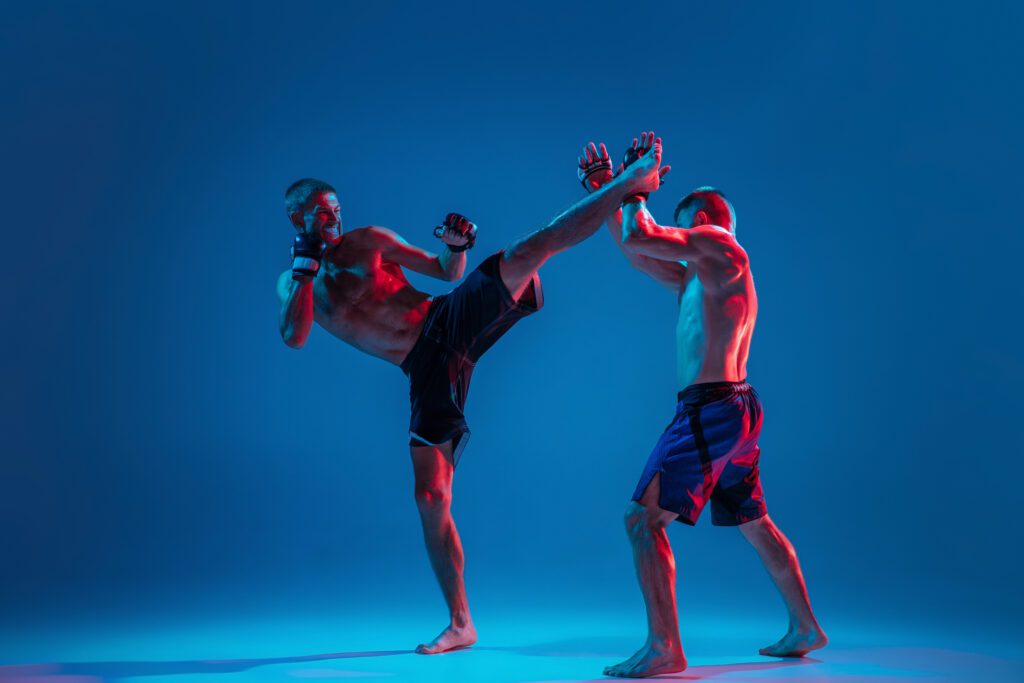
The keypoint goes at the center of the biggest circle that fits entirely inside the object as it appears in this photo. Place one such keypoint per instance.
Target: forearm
(452, 263)
(614, 224)
(296, 318)
(669, 274)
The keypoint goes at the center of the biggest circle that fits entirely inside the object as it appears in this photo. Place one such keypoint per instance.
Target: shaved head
(712, 203)
(300, 192)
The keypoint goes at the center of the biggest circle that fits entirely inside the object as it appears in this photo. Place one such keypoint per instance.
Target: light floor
(518, 647)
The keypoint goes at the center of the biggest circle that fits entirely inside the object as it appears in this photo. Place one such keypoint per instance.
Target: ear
(700, 218)
(298, 221)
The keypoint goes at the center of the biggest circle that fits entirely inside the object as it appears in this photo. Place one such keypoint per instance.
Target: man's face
(322, 214)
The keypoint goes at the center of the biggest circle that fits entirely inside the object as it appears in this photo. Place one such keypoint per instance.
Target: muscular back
(365, 300)
(717, 311)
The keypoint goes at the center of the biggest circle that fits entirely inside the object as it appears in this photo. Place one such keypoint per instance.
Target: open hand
(595, 167)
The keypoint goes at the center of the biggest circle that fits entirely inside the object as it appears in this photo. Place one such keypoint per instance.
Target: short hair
(299, 192)
(698, 199)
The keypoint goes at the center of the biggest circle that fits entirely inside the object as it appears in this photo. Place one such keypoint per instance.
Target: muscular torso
(365, 300)
(717, 311)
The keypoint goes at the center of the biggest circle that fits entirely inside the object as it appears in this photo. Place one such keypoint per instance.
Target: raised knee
(431, 495)
(529, 249)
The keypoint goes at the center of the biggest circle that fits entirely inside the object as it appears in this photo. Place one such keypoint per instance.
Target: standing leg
(433, 470)
(780, 560)
(656, 571)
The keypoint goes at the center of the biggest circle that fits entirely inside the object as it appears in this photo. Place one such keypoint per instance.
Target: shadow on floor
(612, 650)
(83, 672)
(700, 673)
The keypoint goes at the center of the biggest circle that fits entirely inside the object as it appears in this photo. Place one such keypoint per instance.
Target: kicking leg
(433, 470)
(656, 571)
(780, 560)
(527, 254)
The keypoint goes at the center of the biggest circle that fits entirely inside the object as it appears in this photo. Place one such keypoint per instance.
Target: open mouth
(333, 232)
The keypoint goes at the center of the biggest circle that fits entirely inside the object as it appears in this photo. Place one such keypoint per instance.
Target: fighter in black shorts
(352, 284)
(709, 452)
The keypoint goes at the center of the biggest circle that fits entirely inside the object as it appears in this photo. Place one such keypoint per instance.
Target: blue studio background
(164, 451)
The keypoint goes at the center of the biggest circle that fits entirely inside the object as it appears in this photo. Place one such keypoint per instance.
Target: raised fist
(457, 231)
(307, 250)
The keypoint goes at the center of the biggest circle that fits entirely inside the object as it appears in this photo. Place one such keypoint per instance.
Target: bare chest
(360, 288)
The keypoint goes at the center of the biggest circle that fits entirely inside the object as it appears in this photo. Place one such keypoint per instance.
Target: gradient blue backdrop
(162, 447)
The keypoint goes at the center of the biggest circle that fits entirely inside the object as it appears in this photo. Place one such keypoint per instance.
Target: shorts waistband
(707, 392)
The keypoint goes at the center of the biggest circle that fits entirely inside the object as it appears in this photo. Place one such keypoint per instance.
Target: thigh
(738, 497)
(675, 477)
(481, 309)
(518, 268)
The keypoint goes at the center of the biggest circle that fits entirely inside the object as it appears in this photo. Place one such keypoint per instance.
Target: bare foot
(452, 638)
(650, 661)
(797, 643)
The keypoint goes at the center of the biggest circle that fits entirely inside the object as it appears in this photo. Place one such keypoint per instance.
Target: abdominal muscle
(713, 333)
(377, 312)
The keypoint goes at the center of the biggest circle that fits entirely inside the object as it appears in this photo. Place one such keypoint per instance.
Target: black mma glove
(592, 163)
(458, 225)
(307, 250)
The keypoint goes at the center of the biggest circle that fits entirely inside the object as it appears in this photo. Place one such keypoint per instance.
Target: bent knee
(761, 529)
(639, 518)
(529, 251)
(432, 496)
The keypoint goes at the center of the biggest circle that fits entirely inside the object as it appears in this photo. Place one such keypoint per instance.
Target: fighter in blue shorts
(709, 453)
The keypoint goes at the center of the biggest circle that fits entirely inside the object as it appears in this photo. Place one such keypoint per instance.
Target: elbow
(292, 339)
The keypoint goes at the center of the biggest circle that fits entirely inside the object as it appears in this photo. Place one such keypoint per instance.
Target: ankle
(665, 644)
(461, 620)
(804, 628)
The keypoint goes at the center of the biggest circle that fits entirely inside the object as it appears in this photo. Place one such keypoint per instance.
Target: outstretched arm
(595, 169)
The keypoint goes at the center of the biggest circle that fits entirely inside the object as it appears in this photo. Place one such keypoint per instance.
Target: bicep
(407, 255)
